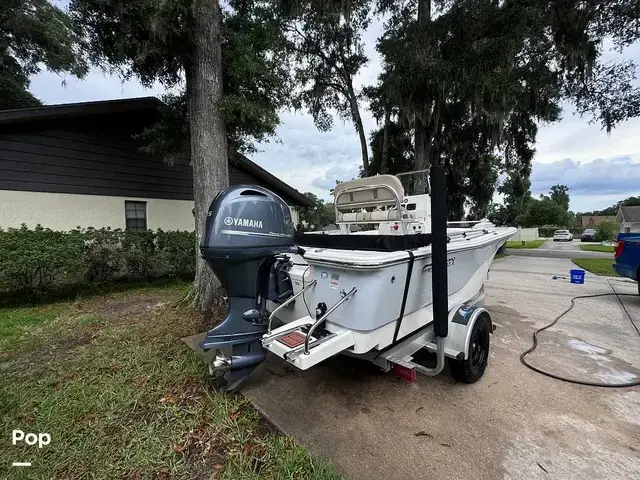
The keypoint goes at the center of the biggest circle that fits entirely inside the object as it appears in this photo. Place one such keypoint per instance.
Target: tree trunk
(357, 121)
(424, 11)
(208, 137)
(421, 157)
(384, 161)
(421, 142)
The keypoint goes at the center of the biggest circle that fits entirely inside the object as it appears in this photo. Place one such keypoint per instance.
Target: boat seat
(377, 216)
(381, 190)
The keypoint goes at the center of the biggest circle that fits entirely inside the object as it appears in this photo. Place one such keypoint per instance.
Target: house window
(627, 229)
(136, 215)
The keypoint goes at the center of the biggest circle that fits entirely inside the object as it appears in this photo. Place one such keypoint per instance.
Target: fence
(525, 235)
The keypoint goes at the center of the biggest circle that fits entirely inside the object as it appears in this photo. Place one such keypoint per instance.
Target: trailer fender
(461, 323)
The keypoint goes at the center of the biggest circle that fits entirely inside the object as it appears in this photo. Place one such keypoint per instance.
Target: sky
(600, 169)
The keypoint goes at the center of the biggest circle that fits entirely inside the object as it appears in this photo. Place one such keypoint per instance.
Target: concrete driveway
(513, 424)
(553, 249)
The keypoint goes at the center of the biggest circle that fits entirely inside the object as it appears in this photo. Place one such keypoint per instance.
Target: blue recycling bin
(577, 276)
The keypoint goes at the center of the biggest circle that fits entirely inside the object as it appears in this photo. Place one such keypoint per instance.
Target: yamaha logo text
(242, 222)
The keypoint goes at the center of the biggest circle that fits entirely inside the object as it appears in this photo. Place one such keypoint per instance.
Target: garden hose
(555, 320)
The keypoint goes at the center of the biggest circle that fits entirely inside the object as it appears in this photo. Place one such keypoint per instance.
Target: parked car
(627, 255)
(562, 235)
(589, 235)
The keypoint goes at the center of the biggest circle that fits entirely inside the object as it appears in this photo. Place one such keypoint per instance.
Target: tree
(560, 195)
(544, 212)
(34, 34)
(607, 231)
(613, 210)
(326, 36)
(391, 150)
(320, 215)
(497, 69)
(180, 42)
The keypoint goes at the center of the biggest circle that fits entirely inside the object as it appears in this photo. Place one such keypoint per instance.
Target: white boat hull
(373, 314)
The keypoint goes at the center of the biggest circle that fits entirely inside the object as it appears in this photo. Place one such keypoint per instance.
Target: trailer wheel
(472, 369)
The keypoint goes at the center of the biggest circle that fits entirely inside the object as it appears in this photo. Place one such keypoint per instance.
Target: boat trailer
(248, 265)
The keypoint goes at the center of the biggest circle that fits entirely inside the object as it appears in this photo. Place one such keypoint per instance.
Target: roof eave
(73, 110)
(258, 171)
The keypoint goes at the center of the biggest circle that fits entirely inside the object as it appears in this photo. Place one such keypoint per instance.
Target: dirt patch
(130, 309)
(83, 322)
(55, 352)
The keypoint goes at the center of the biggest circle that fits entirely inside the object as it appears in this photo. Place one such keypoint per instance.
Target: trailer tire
(472, 369)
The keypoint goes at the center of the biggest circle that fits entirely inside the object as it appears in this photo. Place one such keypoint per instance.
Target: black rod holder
(439, 278)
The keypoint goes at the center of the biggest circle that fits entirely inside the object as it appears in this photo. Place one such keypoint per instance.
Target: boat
(382, 293)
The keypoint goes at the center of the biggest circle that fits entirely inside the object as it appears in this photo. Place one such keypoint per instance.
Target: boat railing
(465, 222)
(468, 234)
(345, 214)
(296, 352)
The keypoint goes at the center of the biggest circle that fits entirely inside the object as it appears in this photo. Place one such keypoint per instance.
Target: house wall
(633, 227)
(63, 211)
(80, 173)
(592, 221)
(95, 161)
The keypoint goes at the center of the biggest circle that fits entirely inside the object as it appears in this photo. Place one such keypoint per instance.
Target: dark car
(589, 235)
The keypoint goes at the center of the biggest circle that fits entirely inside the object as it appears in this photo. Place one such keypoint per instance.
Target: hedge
(39, 259)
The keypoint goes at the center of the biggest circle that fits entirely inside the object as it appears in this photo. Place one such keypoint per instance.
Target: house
(592, 221)
(629, 219)
(79, 165)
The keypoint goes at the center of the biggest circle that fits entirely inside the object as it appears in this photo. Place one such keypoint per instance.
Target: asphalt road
(512, 424)
(553, 249)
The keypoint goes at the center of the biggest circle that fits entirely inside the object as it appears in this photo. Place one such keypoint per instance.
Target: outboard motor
(248, 232)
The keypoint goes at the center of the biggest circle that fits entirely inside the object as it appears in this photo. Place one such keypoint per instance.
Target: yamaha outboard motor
(248, 232)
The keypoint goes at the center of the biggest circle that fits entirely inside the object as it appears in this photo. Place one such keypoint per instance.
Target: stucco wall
(64, 211)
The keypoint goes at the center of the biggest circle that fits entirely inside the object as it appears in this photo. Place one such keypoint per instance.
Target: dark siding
(85, 162)
(98, 156)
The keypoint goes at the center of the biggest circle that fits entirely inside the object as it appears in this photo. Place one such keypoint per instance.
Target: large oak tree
(228, 68)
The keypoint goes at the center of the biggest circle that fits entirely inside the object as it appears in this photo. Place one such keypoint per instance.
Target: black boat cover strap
(404, 296)
(378, 243)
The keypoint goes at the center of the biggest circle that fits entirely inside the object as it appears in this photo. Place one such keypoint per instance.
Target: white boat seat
(381, 190)
(377, 216)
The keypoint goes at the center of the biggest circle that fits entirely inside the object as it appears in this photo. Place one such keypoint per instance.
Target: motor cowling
(248, 232)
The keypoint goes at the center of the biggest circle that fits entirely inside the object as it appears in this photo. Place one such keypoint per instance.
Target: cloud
(97, 85)
(336, 172)
(592, 185)
(310, 160)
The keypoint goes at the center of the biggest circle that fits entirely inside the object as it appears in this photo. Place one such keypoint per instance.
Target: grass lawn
(597, 248)
(599, 266)
(528, 244)
(123, 397)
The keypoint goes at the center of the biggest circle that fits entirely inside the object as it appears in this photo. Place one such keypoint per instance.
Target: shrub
(175, 253)
(40, 258)
(138, 248)
(36, 259)
(607, 231)
(102, 254)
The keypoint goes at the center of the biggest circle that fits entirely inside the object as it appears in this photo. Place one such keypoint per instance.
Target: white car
(562, 235)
